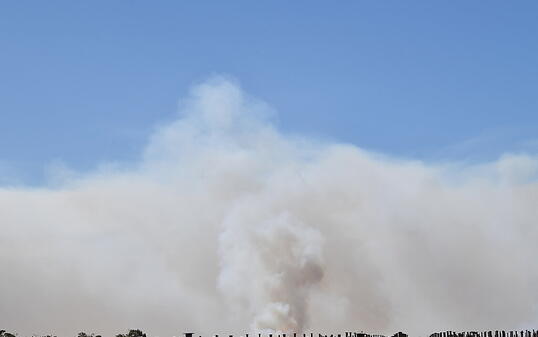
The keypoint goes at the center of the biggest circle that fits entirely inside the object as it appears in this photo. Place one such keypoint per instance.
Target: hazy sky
(86, 82)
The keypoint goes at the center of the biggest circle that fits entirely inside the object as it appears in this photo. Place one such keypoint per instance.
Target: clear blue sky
(84, 82)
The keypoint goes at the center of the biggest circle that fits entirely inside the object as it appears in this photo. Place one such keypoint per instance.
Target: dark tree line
(131, 333)
(497, 333)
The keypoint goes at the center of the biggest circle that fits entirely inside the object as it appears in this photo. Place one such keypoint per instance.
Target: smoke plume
(227, 225)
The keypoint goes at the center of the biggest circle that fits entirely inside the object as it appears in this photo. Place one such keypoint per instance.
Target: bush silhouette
(131, 333)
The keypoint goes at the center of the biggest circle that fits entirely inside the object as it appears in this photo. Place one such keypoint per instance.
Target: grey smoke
(228, 225)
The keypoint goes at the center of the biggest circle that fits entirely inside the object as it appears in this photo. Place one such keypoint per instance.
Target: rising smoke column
(270, 265)
(228, 225)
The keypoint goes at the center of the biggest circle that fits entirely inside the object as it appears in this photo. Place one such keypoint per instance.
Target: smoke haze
(228, 225)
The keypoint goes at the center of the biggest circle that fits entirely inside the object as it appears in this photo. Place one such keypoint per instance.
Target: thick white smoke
(227, 225)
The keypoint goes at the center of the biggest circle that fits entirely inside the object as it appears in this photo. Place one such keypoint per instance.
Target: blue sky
(85, 82)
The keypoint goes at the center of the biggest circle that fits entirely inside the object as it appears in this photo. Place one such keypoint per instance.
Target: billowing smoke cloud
(228, 225)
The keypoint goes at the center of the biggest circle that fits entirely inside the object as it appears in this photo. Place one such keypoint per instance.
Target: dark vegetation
(497, 333)
(131, 333)
(3, 333)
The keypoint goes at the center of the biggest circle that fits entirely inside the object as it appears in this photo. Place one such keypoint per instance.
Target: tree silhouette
(131, 333)
(4, 333)
(83, 334)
